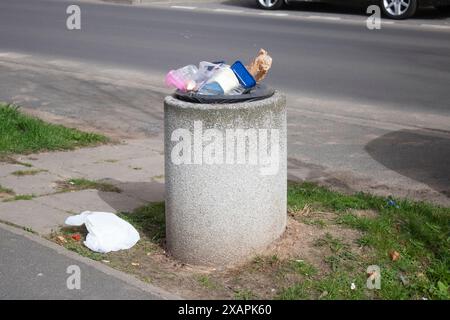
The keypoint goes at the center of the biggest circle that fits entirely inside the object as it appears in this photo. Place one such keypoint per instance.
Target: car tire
(270, 4)
(398, 9)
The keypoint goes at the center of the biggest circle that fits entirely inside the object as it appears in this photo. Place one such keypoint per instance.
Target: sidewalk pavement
(136, 167)
(33, 268)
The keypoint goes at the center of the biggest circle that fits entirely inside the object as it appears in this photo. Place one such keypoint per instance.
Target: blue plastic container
(244, 77)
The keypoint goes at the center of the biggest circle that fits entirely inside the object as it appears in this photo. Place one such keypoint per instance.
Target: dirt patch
(299, 242)
(262, 277)
(5, 196)
(370, 214)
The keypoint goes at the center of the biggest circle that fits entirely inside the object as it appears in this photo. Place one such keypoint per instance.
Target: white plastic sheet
(107, 232)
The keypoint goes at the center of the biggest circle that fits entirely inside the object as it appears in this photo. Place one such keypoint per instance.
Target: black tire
(276, 4)
(409, 12)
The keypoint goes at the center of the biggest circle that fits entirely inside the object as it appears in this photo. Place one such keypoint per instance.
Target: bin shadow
(422, 155)
(133, 194)
(143, 203)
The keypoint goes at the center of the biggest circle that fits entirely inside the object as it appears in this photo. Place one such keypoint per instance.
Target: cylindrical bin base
(226, 180)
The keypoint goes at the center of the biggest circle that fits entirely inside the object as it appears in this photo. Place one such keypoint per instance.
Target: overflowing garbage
(219, 78)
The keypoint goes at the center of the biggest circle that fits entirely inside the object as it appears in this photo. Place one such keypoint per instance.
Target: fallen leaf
(394, 255)
(61, 239)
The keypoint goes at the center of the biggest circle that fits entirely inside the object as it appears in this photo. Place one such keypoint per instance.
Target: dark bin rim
(259, 92)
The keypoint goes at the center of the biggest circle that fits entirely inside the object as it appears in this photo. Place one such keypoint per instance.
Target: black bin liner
(259, 92)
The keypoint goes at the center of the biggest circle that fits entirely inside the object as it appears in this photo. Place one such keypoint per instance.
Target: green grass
(20, 133)
(77, 246)
(419, 231)
(21, 173)
(244, 295)
(6, 190)
(9, 159)
(303, 268)
(149, 219)
(206, 282)
(20, 197)
(85, 184)
(315, 222)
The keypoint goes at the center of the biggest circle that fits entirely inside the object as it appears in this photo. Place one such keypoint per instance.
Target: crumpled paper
(260, 66)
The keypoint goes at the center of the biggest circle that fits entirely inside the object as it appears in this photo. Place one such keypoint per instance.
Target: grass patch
(150, 220)
(315, 222)
(85, 184)
(418, 231)
(11, 160)
(303, 268)
(20, 133)
(206, 282)
(244, 295)
(6, 191)
(21, 173)
(20, 197)
(65, 234)
(111, 161)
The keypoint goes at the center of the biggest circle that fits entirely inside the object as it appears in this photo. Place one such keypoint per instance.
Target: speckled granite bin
(226, 183)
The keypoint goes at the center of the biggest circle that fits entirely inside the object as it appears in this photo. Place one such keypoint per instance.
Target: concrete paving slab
(92, 200)
(8, 168)
(39, 184)
(32, 214)
(123, 171)
(152, 191)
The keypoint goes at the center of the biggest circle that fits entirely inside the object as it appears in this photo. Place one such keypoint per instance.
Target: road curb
(161, 293)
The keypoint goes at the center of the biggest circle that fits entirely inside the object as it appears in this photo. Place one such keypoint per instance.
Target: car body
(394, 9)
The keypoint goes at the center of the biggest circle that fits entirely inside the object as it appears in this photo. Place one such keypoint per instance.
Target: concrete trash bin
(226, 178)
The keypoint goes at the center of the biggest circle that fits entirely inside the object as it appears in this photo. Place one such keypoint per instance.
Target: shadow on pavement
(138, 193)
(358, 10)
(418, 154)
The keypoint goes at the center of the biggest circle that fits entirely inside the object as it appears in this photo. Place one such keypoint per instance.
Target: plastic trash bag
(107, 232)
(190, 78)
(240, 94)
(184, 79)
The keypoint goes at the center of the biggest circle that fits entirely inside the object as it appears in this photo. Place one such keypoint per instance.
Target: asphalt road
(403, 68)
(367, 109)
(34, 270)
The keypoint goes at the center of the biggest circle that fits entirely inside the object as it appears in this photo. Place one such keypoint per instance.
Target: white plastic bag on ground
(107, 232)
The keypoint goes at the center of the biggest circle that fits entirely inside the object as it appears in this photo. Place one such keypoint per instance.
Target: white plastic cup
(226, 78)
